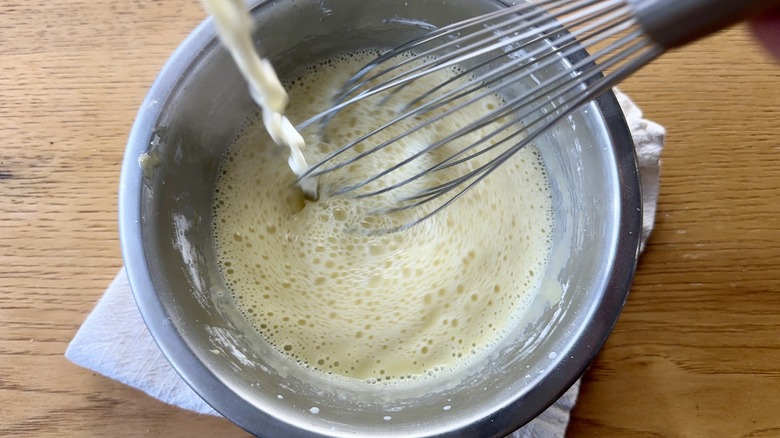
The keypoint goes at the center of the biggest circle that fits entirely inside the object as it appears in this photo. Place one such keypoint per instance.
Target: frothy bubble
(377, 308)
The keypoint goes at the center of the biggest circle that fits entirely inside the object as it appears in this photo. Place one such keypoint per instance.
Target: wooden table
(696, 352)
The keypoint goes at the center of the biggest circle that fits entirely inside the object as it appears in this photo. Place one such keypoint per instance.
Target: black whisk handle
(673, 23)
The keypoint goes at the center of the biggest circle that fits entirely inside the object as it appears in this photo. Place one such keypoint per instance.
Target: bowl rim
(218, 395)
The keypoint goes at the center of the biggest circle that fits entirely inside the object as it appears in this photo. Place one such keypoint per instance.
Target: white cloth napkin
(115, 342)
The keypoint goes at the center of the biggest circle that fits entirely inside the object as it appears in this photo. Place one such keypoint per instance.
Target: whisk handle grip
(673, 23)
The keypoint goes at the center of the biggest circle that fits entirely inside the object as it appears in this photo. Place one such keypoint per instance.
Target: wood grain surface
(696, 352)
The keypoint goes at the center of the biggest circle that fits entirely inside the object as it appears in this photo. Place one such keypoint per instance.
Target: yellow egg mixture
(379, 307)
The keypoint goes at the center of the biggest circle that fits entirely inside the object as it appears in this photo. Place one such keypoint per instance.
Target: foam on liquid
(385, 308)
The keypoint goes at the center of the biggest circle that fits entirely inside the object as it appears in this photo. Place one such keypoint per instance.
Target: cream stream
(234, 25)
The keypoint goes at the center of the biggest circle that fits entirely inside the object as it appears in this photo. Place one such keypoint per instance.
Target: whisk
(603, 42)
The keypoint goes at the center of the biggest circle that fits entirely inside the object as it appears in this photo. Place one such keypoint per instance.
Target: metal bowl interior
(192, 112)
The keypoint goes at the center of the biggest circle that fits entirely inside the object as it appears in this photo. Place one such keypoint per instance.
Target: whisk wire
(436, 34)
(595, 90)
(504, 72)
(488, 56)
(592, 92)
(480, 83)
(511, 106)
(568, 39)
(537, 28)
(450, 60)
(497, 40)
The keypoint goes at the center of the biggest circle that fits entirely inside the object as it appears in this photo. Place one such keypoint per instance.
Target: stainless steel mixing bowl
(191, 113)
